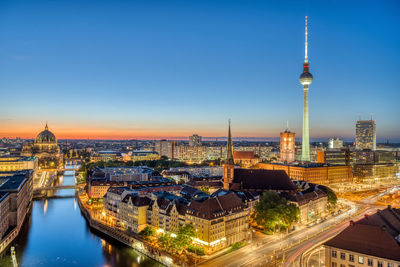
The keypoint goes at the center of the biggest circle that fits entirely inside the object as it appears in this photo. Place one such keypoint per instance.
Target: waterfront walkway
(97, 222)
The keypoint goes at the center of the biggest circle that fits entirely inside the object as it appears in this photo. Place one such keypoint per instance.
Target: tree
(332, 198)
(184, 236)
(146, 232)
(165, 241)
(275, 213)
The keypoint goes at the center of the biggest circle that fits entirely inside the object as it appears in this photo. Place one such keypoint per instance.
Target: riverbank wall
(123, 237)
(9, 238)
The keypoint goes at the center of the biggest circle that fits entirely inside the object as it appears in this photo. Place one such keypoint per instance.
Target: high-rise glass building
(366, 135)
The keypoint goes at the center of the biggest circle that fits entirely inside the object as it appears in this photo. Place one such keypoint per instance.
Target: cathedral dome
(46, 136)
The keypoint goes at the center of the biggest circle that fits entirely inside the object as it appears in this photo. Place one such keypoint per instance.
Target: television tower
(305, 79)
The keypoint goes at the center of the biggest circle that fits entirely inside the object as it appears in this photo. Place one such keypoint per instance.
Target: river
(56, 234)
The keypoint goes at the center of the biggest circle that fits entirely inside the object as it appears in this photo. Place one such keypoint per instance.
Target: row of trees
(175, 243)
(158, 165)
(274, 213)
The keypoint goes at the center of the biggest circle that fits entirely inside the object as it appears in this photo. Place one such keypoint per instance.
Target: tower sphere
(306, 78)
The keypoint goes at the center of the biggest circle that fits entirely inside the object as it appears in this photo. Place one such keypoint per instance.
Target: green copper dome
(46, 136)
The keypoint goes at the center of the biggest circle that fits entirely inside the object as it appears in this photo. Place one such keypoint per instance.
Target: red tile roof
(216, 207)
(373, 235)
(238, 155)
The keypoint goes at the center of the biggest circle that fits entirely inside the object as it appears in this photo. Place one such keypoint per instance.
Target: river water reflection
(56, 234)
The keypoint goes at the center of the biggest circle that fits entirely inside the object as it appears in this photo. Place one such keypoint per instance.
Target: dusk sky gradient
(151, 69)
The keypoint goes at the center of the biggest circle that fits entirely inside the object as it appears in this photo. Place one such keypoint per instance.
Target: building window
(390, 265)
(334, 264)
(380, 264)
(342, 256)
(334, 253)
(370, 262)
(360, 260)
(351, 257)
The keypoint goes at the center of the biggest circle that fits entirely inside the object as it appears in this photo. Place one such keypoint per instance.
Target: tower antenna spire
(306, 45)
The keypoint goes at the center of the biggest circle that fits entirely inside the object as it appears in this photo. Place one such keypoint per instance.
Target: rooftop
(373, 235)
(259, 179)
(13, 182)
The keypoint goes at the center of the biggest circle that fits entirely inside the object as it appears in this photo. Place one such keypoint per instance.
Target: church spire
(229, 149)
(46, 127)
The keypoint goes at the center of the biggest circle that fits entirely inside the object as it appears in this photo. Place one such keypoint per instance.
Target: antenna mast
(306, 46)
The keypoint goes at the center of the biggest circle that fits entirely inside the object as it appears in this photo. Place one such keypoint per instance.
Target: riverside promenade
(124, 238)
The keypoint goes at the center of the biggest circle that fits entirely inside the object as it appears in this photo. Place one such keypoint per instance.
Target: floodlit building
(316, 173)
(15, 203)
(287, 147)
(46, 148)
(219, 221)
(371, 241)
(245, 158)
(366, 135)
(334, 156)
(195, 140)
(165, 148)
(106, 155)
(335, 143)
(12, 163)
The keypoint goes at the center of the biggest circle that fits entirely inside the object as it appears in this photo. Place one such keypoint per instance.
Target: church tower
(229, 163)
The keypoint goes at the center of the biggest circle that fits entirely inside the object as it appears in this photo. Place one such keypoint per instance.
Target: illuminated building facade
(366, 135)
(45, 147)
(335, 143)
(165, 148)
(11, 163)
(195, 140)
(15, 203)
(334, 156)
(306, 79)
(287, 147)
(370, 241)
(219, 221)
(314, 172)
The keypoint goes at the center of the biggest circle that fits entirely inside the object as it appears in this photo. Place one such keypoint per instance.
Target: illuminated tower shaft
(305, 144)
(306, 79)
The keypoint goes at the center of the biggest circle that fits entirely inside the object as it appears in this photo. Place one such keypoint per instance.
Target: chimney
(351, 223)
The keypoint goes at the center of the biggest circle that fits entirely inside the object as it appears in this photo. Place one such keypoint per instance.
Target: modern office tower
(229, 163)
(305, 79)
(335, 143)
(366, 135)
(195, 140)
(287, 146)
(165, 148)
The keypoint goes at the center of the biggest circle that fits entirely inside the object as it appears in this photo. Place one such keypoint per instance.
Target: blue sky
(126, 69)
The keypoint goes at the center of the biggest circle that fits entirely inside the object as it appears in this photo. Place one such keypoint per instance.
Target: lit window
(360, 260)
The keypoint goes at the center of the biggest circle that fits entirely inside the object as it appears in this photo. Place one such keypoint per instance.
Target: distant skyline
(165, 69)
